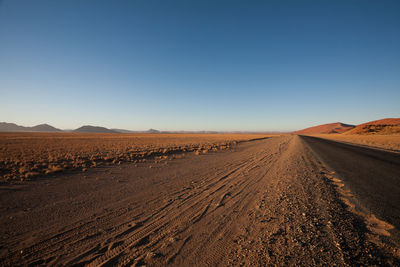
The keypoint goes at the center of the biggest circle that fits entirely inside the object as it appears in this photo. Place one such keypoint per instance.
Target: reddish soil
(329, 128)
(384, 126)
(266, 202)
(24, 156)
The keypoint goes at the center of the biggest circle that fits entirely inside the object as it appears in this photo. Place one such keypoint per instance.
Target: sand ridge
(329, 128)
(383, 126)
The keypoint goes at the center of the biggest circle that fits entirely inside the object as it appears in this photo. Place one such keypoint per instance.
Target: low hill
(329, 128)
(384, 126)
(153, 131)
(12, 127)
(44, 128)
(94, 129)
(122, 130)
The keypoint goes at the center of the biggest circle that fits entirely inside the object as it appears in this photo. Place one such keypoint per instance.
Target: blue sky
(199, 65)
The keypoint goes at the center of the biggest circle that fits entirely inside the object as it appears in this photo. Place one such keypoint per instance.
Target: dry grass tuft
(54, 169)
(30, 154)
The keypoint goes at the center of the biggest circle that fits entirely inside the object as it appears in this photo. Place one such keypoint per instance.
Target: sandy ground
(267, 202)
(389, 142)
(23, 156)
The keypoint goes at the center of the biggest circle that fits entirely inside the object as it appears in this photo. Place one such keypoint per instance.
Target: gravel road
(265, 202)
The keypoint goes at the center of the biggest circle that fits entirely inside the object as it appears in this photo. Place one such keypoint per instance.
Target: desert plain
(25, 155)
(198, 199)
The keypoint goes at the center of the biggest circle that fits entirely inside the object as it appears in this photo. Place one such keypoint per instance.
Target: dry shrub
(22, 170)
(31, 174)
(54, 169)
(23, 153)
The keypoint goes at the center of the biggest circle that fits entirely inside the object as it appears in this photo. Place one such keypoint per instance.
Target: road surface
(267, 202)
(372, 175)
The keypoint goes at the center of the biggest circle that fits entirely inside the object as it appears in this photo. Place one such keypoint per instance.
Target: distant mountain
(123, 131)
(44, 128)
(93, 129)
(384, 126)
(329, 128)
(153, 131)
(197, 132)
(12, 127)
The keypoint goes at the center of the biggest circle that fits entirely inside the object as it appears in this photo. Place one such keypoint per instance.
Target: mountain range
(383, 126)
(12, 127)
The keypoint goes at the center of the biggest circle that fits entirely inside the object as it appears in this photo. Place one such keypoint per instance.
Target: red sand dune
(329, 128)
(384, 126)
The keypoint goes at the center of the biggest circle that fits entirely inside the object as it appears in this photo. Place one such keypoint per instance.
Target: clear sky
(198, 65)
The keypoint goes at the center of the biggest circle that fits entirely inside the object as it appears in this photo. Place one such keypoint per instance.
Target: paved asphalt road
(372, 175)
